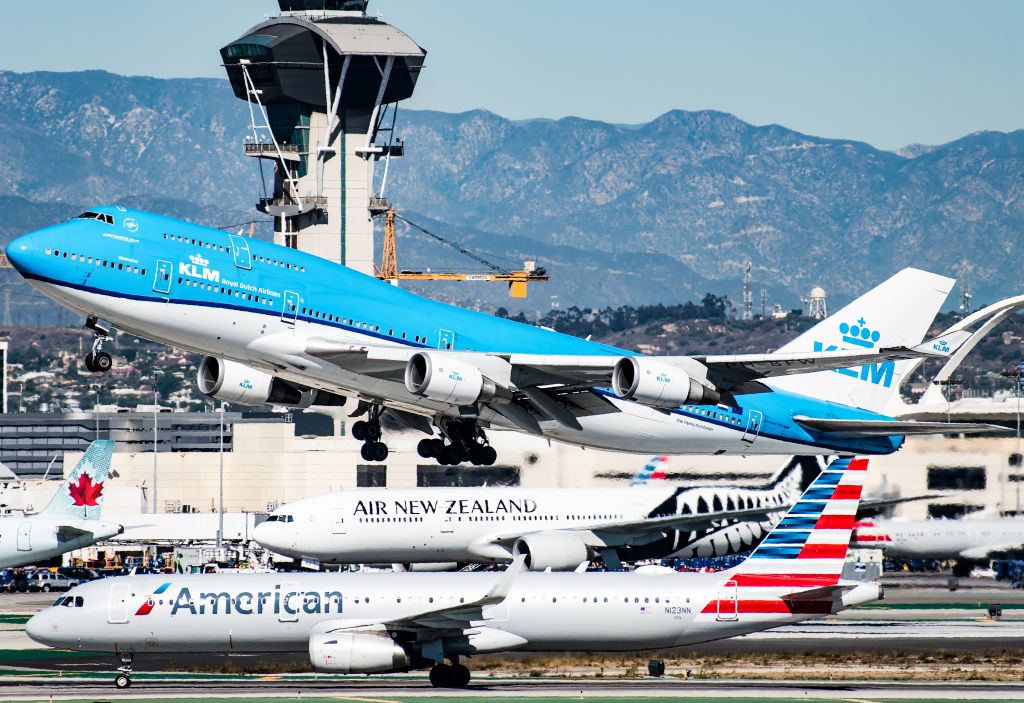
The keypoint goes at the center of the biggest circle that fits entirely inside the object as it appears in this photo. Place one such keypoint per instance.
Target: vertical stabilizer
(813, 536)
(896, 313)
(653, 471)
(81, 493)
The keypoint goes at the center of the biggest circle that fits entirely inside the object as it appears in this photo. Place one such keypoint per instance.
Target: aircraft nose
(269, 536)
(21, 250)
(40, 628)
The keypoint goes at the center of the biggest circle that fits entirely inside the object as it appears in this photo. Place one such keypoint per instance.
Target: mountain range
(618, 214)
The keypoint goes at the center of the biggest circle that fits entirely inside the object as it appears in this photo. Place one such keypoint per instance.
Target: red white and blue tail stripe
(814, 535)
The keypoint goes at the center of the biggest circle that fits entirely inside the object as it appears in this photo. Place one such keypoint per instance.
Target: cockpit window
(102, 217)
(60, 601)
(280, 518)
(70, 601)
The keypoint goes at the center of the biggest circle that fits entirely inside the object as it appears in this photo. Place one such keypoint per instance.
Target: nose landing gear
(449, 676)
(97, 360)
(123, 678)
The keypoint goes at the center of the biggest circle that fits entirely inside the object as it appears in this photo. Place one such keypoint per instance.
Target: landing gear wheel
(488, 455)
(102, 362)
(366, 452)
(474, 454)
(460, 676)
(425, 448)
(451, 455)
(372, 431)
(122, 681)
(359, 430)
(441, 676)
(379, 450)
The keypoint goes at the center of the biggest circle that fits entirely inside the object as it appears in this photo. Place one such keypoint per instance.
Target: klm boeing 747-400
(283, 327)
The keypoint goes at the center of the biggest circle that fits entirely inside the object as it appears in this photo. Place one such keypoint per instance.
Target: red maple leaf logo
(85, 492)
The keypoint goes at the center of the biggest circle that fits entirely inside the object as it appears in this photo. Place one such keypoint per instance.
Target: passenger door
(162, 277)
(338, 521)
(117, 608)
(445, 339)
(753, 426)
(295, 602)
(24, 536)
(290, 307)
(728, 601)
(240, 249)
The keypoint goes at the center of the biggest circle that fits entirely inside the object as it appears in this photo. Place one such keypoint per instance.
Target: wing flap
(883, 428)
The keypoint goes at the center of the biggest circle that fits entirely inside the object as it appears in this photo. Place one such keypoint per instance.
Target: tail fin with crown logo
(896, 313)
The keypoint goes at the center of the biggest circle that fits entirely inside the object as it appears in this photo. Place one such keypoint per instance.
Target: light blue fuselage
(203, 289)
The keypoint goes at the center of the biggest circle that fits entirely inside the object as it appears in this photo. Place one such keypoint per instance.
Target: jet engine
(237, 383)
(355, 653)
(558, 551)
(450, 380)
(657, 384)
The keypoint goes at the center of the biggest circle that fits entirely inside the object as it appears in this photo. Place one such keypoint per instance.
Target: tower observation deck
(323, 81)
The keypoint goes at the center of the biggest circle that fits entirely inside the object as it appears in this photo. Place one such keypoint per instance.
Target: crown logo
(198, 260)
(859, 334)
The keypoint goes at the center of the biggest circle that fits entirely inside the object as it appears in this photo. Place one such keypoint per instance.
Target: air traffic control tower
(323, 81)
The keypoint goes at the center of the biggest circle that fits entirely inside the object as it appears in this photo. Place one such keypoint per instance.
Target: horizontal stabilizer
(886, 428)
(820, 593)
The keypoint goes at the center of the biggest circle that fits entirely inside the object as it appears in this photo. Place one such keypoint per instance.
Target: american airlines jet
(552, 528)
(71, 520)
(283, 327)
(355, 623)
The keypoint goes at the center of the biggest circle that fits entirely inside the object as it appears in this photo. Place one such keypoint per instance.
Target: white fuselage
(26, 540)
(480, 525)
(942, 539)
(257, 340)
(542, 611)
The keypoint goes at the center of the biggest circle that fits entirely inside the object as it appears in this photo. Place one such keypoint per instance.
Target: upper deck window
(102, 217)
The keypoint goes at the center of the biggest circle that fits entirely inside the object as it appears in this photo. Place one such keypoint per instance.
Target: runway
(394, 689)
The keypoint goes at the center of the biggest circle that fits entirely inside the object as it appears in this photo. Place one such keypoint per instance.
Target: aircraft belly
(669, 434)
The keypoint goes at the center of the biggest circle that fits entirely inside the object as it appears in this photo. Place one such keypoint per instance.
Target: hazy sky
(890, 73)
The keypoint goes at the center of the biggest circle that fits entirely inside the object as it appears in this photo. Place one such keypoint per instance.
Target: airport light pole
(156, 421)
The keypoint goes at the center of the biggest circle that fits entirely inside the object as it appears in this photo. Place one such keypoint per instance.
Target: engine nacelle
(237, 383)
(353, 653)
(447, 379)
(558, 551)
(658, 384)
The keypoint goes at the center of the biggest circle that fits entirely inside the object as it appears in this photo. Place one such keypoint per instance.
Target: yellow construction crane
(388, 270)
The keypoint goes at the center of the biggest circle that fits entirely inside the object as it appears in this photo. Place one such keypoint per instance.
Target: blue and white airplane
(283, 327)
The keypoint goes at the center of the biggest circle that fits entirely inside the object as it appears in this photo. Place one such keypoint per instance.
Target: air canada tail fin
(81, 493)
(896, 313)
(654, 470)
(813, 536)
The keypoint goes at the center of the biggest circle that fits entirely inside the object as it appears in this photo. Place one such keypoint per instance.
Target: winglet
(944, 346)
(503, 585)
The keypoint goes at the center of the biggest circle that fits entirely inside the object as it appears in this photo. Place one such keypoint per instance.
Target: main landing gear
(124, 672)
(369, 432)
(97, 360)
(466, 442)
(449, 676)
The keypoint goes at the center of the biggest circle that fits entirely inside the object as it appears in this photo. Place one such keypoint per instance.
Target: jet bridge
(323, 81)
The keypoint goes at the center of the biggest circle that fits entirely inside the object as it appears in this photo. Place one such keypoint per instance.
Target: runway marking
(857, 700)
(364, 700)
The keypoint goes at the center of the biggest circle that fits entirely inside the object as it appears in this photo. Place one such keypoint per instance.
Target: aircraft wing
(691, 523)
(884, 428)
(985, 551)
(613, 533)
(541, 380)
(726, 371)
(448, 618)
